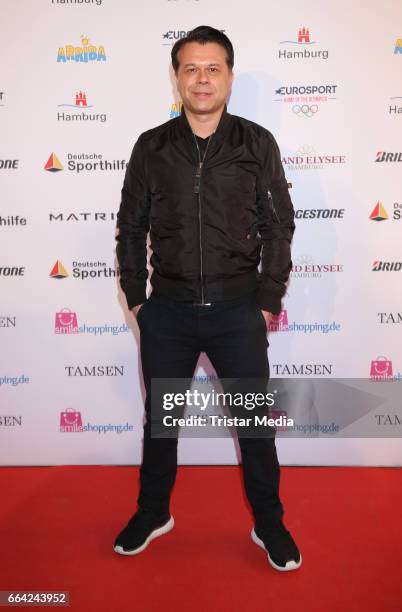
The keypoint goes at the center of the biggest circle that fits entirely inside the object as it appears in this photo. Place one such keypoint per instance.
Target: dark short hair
(203, 35)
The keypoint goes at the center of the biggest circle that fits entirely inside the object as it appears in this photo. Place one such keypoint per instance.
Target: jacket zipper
(270, 198)
(197, 190)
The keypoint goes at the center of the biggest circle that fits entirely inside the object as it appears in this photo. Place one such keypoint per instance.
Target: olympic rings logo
(305, 110)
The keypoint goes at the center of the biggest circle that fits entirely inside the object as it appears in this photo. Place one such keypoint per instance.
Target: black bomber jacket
(210, 223)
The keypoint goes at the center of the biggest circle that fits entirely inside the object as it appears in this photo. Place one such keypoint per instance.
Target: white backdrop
(80, 114)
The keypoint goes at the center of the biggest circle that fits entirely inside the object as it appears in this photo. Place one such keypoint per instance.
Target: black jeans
(232, 333)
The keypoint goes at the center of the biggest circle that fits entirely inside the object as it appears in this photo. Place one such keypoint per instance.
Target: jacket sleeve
(133, 227)
(276, 227)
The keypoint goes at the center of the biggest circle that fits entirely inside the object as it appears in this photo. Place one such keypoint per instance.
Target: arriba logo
(383, 156)
(58, 271)
(305, 99)
(81, 106)
(175, 109)
(379, 213)
(303, 40)
(86, 53)
(387, 266)
(306, 158)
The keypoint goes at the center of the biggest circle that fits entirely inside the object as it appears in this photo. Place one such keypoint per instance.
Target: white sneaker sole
(154, 534)
(290, 565)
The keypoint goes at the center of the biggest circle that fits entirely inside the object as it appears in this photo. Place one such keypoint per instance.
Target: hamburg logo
(80, 101)
(58, 271)
(303, 38)
(53, 164)
(379, 213)
(398, 46)
(86, 53)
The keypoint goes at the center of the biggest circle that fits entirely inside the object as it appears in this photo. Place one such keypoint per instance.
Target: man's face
(203, 77)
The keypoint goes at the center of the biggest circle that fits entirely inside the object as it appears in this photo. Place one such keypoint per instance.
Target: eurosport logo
(74, 217)
(305, 100)
(80, 104)
(83, 54)
(306, 158)
(386, 266)
(395, 108)
(384, 157)
(71, 422)
(12, 220)
(304, 266)
(171, 36)
(84, 270)
(280, 323)
(303, 44)
(379, 212)
(84, 162)
(320, 213)
(66, 322)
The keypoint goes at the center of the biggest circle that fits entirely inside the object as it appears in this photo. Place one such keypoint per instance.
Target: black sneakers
(281, 548)
(143, 527)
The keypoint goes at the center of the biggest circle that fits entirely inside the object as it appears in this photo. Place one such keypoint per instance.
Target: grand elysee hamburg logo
(302, 47)
(81, 54)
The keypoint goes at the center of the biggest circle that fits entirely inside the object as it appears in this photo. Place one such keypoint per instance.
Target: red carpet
(58, 525)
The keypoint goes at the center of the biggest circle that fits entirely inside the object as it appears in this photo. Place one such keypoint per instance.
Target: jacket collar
(219, 134)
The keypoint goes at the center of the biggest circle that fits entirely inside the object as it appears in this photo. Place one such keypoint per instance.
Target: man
(210, 188)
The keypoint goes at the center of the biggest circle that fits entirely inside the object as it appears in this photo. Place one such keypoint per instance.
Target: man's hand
(267, 316)
(136, 309)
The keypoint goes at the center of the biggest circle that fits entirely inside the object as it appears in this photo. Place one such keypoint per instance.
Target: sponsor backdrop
(80, 80)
